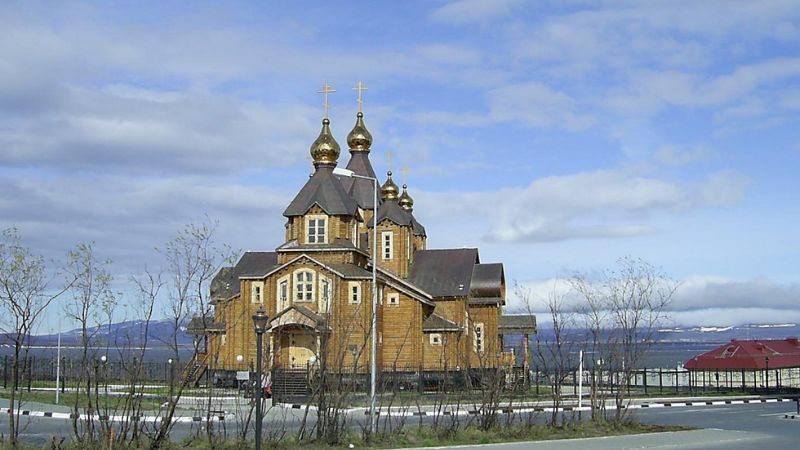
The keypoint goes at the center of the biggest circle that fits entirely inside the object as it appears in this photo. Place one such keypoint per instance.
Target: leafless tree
(623, 309)
(192, 259)
(25, 294)
(553, 355)
(92, 300)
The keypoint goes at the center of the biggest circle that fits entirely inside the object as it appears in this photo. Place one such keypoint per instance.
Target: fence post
(64, 373)
(574, 383)
(30, 373)
(644, 380)
(660, 380)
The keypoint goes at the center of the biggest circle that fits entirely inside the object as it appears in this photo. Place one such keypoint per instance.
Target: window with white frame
(387, 241)
(479, 337)
(316, 227)
(283, 294)
(324, 294)
(436, 339)
(354, 291)
(304, 286)
(257, 292)
(355, 233)
(393, 299)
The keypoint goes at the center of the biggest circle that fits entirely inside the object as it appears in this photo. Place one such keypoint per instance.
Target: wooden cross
(360, 87)
(326, 89)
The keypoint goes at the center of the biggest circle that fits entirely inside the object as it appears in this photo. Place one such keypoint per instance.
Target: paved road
(725, 427)
(730, 427)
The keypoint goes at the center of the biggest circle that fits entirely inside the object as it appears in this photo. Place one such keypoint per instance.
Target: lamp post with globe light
(260, 322)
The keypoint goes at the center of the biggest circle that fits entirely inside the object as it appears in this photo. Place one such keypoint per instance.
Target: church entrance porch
(296, 347)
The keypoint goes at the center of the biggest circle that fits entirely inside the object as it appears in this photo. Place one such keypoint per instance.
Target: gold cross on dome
(405, 170)
(360, 87)
(326, 89)
(389, 159)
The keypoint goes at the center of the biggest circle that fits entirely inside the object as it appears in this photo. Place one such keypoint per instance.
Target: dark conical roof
(359, 188)
(325, 190)
(390, 210)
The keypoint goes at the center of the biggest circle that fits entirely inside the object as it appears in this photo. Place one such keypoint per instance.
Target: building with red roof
(749, 355)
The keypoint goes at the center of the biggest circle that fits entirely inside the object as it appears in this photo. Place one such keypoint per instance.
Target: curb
(63, 415)
(501, 410)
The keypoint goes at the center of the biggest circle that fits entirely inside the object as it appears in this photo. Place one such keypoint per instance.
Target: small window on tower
(355, 292)
(393, 299)
(256, 292)
(387, 240)
(436, 339)
(315, 232)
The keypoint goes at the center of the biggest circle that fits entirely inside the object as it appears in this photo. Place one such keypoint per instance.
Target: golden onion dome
(405, 200)
(359, 139)
(389, 190)
(325, 149)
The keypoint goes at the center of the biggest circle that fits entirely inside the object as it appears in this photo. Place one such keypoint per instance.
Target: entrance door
(301, 347)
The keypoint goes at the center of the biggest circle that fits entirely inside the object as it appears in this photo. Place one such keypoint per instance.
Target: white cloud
(609, 203)
(699, 300)
(535, 104)
(473, 11)
(128, 216)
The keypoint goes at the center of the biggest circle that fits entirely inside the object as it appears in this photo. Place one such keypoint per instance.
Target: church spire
(389, 190)
(405, 201)
(325, 150)
(359, 139)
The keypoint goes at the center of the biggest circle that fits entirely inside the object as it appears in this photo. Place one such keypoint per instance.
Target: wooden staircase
(194, 371)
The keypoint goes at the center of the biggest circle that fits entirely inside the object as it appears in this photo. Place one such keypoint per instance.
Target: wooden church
(437, 309)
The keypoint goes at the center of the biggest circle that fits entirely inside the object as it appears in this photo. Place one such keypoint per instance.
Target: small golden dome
(325, 150)
(389, 190)
(359, 138)
(405, 200)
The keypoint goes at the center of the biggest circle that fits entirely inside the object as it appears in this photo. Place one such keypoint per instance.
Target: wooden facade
(317, 286)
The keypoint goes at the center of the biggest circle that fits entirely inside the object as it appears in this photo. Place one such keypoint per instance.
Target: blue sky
(556, 136)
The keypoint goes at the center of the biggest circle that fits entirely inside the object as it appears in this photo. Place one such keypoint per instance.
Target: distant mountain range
(724, 334)
(160, 332)
(708, 334)
(131, 332)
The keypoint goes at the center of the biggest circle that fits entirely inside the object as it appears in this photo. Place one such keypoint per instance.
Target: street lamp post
(374, 351)
(766, 373)
(171, 378)
(260, 320)
(104, 360)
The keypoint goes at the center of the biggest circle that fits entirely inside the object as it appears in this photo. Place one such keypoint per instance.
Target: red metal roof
(782, 353)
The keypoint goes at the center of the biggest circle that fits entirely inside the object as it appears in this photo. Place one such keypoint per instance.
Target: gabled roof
(360, 190)
(416, 227)
(390, 210)
(405, 286)
(326, 191)
(752, 354)
(298, 315)
(518, 323)
(444, 273)
(340, 244)
(488, 280)
(342, 269)
(203, 325)
(435, 322)
(254, 263)
(226, 282)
